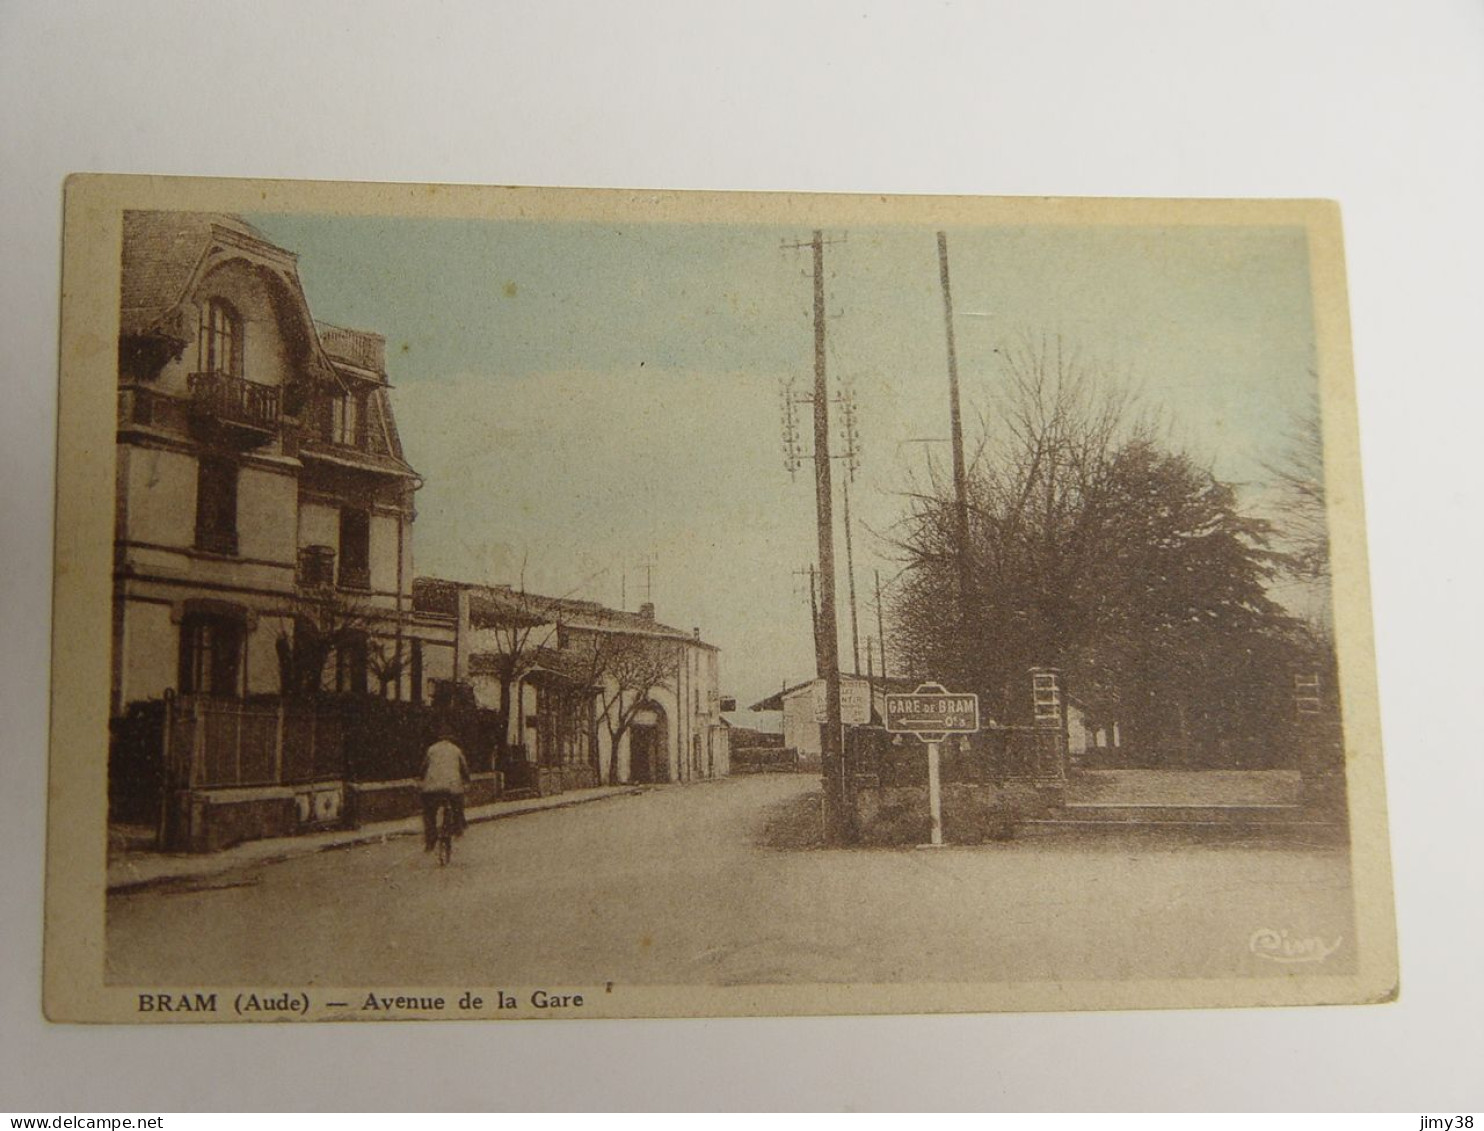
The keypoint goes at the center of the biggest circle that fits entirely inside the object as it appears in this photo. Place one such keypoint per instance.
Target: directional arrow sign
(932, 712)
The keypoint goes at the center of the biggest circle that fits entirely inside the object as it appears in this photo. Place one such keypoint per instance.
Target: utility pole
(801, 573)
(648, 562)
(960, 474)
(855, 636)
(851, 456)
(813, 609)
(827, 651)
(880, 626)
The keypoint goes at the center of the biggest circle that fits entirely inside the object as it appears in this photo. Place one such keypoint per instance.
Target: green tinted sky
(579, 397)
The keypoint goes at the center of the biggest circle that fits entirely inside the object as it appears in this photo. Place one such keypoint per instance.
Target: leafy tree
(1096, 549)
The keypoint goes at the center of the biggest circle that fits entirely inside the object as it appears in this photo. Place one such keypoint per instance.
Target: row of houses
(264, 560)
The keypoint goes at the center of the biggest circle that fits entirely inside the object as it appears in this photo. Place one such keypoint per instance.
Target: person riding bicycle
(444, 774)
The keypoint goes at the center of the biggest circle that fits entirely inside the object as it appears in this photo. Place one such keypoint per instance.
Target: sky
(596, 410)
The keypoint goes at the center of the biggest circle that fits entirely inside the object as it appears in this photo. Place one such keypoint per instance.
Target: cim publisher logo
(1281, 946)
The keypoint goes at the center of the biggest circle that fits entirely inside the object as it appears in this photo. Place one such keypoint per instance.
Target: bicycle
(443, 827)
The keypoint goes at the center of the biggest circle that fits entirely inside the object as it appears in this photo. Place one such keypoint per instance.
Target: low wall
(972, 813)
(208, 820)
(371, 802)
(765, 760)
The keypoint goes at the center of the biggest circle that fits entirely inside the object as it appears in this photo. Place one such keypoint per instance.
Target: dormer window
(343, 420)
(347, 420)
(221, 339)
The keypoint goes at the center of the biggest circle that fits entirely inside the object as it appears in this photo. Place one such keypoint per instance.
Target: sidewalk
(1215, 789)
(131, 871)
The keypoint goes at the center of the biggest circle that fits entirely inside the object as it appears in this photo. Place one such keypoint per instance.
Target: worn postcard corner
(516, 603)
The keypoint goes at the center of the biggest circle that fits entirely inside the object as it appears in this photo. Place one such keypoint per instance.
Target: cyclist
(444, 774)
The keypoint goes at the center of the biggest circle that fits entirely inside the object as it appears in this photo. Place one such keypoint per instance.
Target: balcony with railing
(247, 407)
(147, 408)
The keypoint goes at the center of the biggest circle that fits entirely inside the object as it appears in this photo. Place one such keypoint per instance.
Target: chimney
(696, 632)
(646, 610)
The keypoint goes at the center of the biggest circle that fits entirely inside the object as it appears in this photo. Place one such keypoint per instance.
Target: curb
(353, 839)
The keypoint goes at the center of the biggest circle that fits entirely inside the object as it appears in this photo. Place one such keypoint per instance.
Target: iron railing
(235, 400)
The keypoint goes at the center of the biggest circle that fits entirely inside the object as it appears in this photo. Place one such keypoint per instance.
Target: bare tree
(627, 669)
(313, 629)
(523, 624)
(387, 661)
(1096, 549)
(1303, 519)
(1038, 518)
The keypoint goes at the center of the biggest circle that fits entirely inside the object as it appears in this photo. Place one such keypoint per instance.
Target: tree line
(1096, 546)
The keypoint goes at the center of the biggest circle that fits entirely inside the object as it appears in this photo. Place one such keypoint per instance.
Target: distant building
(567, 673)
(1092, 740)
(862, 702)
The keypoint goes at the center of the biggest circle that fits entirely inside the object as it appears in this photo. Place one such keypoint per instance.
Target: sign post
(932, 713)
(935, 799)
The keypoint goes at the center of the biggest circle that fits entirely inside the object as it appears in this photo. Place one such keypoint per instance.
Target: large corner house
(272, 671)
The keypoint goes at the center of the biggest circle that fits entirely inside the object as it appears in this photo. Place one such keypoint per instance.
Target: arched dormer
(175, 265)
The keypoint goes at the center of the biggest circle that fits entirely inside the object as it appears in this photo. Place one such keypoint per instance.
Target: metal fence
(994, 755)
(214, 743)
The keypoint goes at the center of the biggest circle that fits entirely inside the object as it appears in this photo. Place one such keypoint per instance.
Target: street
(724, 883)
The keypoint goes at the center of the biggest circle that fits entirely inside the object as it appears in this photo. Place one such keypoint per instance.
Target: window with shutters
(355, 549)
(211, 649)
(216, 505)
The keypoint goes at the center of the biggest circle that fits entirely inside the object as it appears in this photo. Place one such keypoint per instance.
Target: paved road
(717, 883)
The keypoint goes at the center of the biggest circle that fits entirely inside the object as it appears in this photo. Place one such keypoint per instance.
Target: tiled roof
(355, 458)
(493, 604)
(774, 702)
(586, 615)
(489, 605)
(160, 253)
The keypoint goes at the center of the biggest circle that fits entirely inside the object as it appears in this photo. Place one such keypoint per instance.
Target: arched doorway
(649, 746)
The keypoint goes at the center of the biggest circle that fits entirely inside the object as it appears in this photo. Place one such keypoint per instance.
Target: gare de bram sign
(932, 712)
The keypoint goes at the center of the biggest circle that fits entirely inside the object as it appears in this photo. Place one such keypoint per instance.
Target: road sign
(932, 712)
(855, 702)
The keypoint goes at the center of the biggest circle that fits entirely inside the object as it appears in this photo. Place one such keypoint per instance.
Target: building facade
(862, 703)
(262, 494)
(275, 668)
(263, 520)
(587, 694)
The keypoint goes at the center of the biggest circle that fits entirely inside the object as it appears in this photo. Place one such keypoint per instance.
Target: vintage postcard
(507, 603)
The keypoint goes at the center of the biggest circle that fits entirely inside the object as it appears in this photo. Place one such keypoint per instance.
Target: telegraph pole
(880, 626)
(832, 756)
(960, 474)
(851, 456)
(827, 652)
(855, 637)
(814, 609)
(839, 821)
